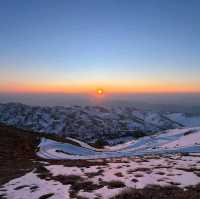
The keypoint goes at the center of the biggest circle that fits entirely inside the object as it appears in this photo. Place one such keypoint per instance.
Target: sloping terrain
(17, 149)
(172, 141)
(25, 175)
(189, 120)
(86, 123)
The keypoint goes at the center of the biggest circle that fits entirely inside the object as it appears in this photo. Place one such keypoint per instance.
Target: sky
(121, 46)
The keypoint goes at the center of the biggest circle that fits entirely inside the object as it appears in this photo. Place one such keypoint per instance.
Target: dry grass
(48, 195)
(142, 169)
(94, 174)
(134, 180)
(160, 173)
(119, 174)
(78, 163)
(70, 179)
(114, 184)
(77, 182)
(157, 192)
(138, 175)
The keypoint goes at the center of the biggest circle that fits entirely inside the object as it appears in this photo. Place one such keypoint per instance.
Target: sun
(100, 91)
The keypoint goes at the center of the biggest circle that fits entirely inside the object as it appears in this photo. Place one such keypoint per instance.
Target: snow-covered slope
(92, 122)
(172, 141)
(185, 119)
(85, 123)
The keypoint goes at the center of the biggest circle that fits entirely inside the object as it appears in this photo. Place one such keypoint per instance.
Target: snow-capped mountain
(90, 122)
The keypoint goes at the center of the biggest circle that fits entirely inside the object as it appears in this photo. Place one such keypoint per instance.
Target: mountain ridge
(89, 123)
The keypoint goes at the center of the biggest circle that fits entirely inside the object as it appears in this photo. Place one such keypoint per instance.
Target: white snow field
(181, 118)
(177, 170)
(167, 142)
(32, 187)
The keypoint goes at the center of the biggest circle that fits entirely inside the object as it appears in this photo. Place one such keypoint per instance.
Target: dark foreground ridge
(18, 151)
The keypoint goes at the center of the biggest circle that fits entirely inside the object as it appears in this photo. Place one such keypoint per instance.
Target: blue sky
(119, 45)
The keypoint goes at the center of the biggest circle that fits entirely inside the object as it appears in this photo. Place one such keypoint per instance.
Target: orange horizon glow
(93, 88)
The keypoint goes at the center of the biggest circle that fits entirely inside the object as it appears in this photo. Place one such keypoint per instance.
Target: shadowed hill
(17, 151)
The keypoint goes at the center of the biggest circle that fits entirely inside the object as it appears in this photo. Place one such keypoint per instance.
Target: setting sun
(100, 91)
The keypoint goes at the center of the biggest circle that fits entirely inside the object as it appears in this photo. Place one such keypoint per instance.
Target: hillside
(91, 123)
(160, 166)
(18, 151)
(186, 140)
(39, 159)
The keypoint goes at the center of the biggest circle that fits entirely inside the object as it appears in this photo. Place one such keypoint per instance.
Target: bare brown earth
(17, 152)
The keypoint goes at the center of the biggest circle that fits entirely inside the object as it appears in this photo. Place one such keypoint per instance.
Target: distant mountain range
(89, 123)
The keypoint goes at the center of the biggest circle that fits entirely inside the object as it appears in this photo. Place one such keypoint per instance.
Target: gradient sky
(118, 45)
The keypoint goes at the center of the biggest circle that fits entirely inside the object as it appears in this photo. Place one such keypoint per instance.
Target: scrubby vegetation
(99, 143)
(115, 184)
(138, 134)
(157, 192)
